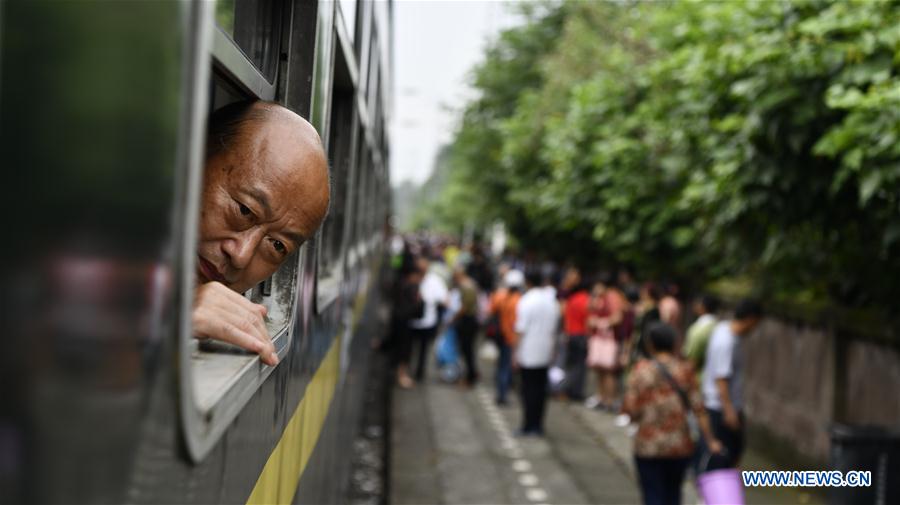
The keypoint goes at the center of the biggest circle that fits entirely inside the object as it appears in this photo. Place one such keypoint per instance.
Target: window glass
(339, 153)
(340, 144)
(254, 26)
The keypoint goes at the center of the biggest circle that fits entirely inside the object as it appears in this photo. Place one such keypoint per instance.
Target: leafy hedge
(694, 140)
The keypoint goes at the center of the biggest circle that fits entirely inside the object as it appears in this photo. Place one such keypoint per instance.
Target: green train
(106, 395)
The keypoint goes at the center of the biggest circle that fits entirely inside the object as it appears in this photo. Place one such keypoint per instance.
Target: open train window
(341, 149)
(218, 379)
(216, 365)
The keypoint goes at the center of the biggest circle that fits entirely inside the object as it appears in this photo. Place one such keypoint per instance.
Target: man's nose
(241, 248)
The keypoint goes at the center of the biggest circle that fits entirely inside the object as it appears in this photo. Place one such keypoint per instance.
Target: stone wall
(800, 379)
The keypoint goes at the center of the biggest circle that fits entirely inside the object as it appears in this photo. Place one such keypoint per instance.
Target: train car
(107, 397)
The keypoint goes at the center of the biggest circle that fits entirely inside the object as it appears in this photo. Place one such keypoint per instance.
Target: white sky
(436, 44)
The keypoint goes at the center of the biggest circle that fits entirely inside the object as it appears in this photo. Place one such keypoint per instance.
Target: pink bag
(602, 350)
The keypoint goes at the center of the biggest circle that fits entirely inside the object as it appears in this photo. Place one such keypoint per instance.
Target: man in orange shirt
(503, 306)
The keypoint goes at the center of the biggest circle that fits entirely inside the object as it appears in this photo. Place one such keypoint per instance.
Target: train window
(218, 379)
(357, 202)
(341, 135)
(254, 26)
(365, 174)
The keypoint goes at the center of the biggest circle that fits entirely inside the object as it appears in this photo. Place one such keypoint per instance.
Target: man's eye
(245, 211)
(279, 246)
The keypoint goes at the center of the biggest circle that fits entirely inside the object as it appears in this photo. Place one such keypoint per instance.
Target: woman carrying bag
(663, 398)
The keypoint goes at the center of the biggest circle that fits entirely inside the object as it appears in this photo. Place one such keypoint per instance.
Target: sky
(436, 44)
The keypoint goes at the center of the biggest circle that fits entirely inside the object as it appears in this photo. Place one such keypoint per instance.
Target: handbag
(692, 422)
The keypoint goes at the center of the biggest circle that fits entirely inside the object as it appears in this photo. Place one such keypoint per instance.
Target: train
(107, 397)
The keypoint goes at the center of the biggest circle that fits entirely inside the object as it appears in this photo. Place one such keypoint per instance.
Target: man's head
(660, 338)
(706, 304)
(533, 280)
(571, 279)
(747, 315)
(598, 287)
(514, 280)
(265, 191)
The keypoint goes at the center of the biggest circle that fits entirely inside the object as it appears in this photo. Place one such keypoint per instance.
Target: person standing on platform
(433, 292)
(537, 316)
(575, 316)
(699, 333)
(723, 380)
(479, 269)
(504, 302)
(465, 321)
(670, 307)
(603, 349)
(407, 305)
(648, 313)
(661, 392)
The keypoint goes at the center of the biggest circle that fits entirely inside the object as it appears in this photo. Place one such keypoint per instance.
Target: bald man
(265, 192)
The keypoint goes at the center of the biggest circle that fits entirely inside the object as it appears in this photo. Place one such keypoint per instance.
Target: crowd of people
(679, 385)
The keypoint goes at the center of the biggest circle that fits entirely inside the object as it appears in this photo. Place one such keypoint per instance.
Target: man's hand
(729, 413)
(731, 419)
(222, 314)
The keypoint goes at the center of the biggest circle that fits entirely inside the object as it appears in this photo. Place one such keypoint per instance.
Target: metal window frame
(229, 58)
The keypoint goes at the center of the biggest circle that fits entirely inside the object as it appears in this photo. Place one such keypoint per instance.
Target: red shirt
(576, 314)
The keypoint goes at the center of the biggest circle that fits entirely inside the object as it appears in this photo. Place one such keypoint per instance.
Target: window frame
(228, 57)
(206, 418)
(330, 271)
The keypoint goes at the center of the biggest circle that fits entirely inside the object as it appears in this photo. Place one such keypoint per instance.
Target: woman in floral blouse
(663, 445)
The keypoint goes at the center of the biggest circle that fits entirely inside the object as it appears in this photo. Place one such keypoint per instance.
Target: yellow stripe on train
(278, 481)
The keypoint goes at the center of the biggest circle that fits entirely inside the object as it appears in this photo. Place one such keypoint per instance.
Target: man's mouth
(208, 271)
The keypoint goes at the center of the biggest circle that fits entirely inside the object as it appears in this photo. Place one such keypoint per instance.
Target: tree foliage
(695, 140)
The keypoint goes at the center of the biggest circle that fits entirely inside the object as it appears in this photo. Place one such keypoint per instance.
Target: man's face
(262, 198)
(698, 308)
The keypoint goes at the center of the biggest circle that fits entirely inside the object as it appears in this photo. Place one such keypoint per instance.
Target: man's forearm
(724, 395)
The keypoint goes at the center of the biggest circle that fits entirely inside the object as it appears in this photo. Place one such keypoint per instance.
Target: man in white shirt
(433, 291)
(537, 316)
(723, 382)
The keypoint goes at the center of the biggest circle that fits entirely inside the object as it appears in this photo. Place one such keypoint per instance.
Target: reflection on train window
(340, 151)
(254, 26)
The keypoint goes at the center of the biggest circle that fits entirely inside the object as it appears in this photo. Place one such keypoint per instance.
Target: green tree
(696, 140)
